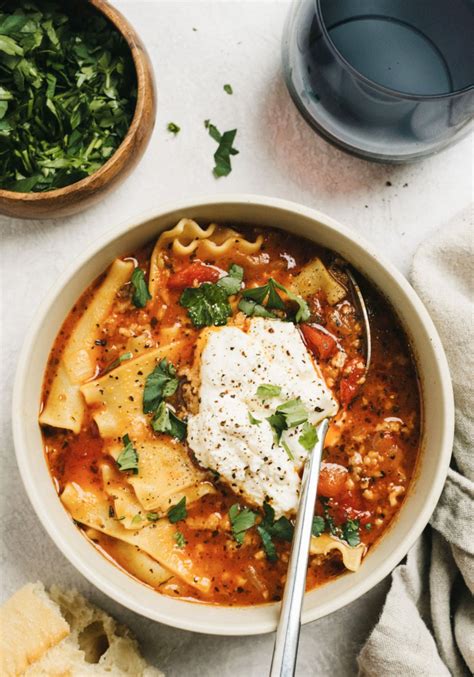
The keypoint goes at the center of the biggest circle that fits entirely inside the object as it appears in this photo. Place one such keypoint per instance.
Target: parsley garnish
(241, 519)
(294, 412)
(319, 525)
(128, 458)
(136, 519)
(282, 528)
(267, 391)
(287, 449)
(267, 543)
(207, 305)
(330, 525)
(267, 298)
(253, 309)
(118, 362)
(269, 528)
(166, 421)
(232, 282)
(161, 383)
(68, 87)
(228, 89)
(178, 512)
(224, 150)
(308, 437)
(287, 415)
(179, 538)
(253, 420)
(350, 532)
(152, 516)
(173, 128)
(141, 295)
(278, 425)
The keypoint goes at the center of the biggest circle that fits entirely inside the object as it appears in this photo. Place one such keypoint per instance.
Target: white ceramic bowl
(437, 402)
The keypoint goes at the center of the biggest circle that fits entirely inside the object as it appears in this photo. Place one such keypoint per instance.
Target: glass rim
(382, 88)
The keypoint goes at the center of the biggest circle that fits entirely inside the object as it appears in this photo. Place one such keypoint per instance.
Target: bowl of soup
(168, 395)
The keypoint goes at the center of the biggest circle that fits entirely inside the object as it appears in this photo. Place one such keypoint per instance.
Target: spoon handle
(285, 650)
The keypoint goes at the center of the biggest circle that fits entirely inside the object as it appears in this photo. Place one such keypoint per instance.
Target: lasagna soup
(182, 398)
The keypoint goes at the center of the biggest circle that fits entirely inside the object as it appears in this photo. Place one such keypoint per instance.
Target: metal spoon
(360, 303)
(285, 650)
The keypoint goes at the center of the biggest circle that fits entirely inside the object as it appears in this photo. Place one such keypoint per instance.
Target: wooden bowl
(82, 194)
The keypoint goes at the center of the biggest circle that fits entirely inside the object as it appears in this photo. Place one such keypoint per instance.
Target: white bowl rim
(21, 448)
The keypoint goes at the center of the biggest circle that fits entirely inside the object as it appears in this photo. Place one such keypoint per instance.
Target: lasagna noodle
(156, 540)
(117, 397)
(351, 557)
(313, 277)
(65, 407)
(165, 474)
(154, 493)
(187, 238)
(165, 471)
(132, 559)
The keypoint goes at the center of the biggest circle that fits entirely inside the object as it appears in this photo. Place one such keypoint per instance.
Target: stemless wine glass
(387, 80)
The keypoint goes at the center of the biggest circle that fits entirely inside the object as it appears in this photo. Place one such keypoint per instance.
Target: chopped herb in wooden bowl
(68, 90)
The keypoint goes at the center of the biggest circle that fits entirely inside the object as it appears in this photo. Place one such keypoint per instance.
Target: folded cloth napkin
(426, 627)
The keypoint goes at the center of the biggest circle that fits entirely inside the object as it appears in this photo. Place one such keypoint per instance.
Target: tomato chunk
(321, 344)
(195, 272)
(352, 379)
(332, 480)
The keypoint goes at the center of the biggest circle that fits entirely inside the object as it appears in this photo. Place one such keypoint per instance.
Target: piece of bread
(63, 635)
(30, 624)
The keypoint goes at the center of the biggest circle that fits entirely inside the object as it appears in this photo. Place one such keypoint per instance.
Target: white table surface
(237, 43)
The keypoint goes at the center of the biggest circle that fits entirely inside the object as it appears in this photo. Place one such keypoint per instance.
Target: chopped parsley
(118, 362)
(225, 149)
(268, 529)
(162, 382)
(232, 282)
(208, 304)
(166, 421)
(308, 437)
(152, 516)
(266, 391)
(253, 420)
(281, 528)
(136, 519)
(319, 525)
(178, 512)
(267, 298)
(253, 309)
(278, 425)
(173, 128)
(179, 538)
(228, 89)
(350, 532)
(294, 412)
(287, 449)
(241, 519)
(268, 544)
(128, 457)
(68, 90)
(141, 295)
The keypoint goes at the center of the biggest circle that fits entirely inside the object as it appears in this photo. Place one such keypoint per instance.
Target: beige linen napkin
(426, 627)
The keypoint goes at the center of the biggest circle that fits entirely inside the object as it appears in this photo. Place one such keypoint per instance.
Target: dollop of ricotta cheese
(230, 433)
